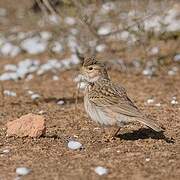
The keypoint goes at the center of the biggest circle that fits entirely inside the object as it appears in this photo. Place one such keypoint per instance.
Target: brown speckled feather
(106, 94)
(107, 103)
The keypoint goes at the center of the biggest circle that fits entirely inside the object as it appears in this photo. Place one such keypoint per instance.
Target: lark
(106, 103)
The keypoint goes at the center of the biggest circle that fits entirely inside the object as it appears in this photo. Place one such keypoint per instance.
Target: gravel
(74, 145)
(22, 171)
(101, 170)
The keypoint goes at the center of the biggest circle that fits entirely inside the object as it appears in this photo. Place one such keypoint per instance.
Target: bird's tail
(150, 123)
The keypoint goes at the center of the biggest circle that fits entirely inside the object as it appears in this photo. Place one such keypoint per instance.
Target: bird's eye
(90, 68)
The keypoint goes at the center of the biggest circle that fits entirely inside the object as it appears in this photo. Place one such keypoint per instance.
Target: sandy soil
(138, 153)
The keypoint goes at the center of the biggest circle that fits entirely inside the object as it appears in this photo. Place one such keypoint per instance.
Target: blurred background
(143, 35)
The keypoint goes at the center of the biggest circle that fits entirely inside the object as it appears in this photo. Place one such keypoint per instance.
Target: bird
(107, 103)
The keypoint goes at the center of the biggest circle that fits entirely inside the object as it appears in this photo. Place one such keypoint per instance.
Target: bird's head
(93, 70)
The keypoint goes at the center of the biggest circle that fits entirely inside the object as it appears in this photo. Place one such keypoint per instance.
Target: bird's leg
(112, 136)
(116, 133)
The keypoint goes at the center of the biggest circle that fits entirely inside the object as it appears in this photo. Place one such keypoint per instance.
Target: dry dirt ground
(138, 153)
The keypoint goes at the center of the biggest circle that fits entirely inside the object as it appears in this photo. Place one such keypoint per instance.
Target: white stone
(70, 21)
(35, 96)
(74, 59)
(104, 30)
(61, 102)
(45, 35)
(34, 45)
(6, 151)
(147, 159)
(72, 43)
(150, 101)
(8, 76)
(9, 93)
(107, 7)
(74, 31)
(9, 49)
(153, 23)
(147, 72)
(30, 92)
(101, 170)
(124, 35)
(41, 112)
(74, 145)
(154, 51)
(100, 47)
(171, 73)
(29, 77)
(174, 101)
(55, 78)
(57, 47)
(177, 58)
(22, 171)
(54, 19)
(158, 104)
(50, 65)
(10, 67)
(21, 35)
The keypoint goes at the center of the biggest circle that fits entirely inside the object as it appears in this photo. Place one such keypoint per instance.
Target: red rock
(28, 125)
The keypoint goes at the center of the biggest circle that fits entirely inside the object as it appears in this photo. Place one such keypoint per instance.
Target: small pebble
(173, 71)
(57, 47)
(10, 67)
(101, 170)
(150, 101)
(177, 58)
(154, 51)
(45, 35)
(35, 96)
(61, 102)
(41, 112)
(100, 47)
(74, 145)
(30, 92)
(22, 171)
(6, 151)
(147, 72)
(70, 21)
(174, 102)
(147, 159)
(158, 104)
(104, 30)
(55, 78)
(9, 93)
(29, 77)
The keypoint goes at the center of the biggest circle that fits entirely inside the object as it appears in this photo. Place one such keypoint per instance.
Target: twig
(2, 94)
(41, 6)
(49, 7)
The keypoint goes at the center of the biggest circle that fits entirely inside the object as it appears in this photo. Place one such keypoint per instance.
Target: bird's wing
(115, 99)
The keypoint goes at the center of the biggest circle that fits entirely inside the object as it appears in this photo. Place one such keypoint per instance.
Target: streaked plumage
(107, 103)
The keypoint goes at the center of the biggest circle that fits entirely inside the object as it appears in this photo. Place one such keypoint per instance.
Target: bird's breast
(97, 114)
